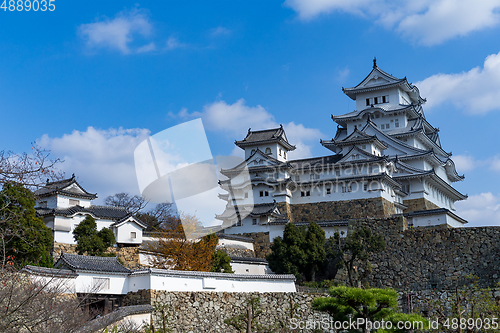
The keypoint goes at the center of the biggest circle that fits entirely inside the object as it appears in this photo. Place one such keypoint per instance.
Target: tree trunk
(249, 319)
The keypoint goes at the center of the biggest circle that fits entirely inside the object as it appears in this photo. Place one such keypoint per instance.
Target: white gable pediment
(356, 154)
(73, 188)
(260, 159)
(375, 81)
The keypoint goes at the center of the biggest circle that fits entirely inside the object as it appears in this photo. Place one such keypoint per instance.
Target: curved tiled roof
(166, 272)
(105, 212)
(61, 187)
(52, 272)
(249, 260)
(77, 262)
(265, 136)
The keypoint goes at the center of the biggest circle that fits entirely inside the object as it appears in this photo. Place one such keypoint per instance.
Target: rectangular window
(382, 126)
(337, 172)
(254, 221)
(367, 102)
(73, 202)
(376, 100)
(246, 195)
(311, 176)
(133, 235)
(384, 99)
(365, 187)
(100, 283)
(387, 126)
(328, 191)
(308, 193)
(344, 189)
(302, 193)
(297, 178)
(261, 193)
(266, 193)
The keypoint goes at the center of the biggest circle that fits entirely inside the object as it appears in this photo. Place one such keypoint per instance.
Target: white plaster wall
(249, 268)
(118, 284)
(235, 244)
(227, 284)
(437, 219)
(63, 201)
(63, 227)
(55, 284)
(123, 232)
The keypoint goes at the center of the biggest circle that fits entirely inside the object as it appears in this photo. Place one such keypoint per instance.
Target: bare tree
(29, 171)
(133, 204)
(38, 305)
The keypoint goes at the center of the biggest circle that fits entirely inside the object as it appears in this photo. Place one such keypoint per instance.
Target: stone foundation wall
(337, 210)
(234, 252)
(418, 204)
(128, 255)
(427, 258)
(261, 243)
(206, 311)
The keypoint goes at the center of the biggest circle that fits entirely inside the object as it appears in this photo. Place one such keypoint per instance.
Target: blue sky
(92, 79)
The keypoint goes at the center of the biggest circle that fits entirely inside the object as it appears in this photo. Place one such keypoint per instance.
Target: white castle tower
(387, 159)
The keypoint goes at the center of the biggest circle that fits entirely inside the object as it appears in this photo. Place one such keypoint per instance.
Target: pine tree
(314, 249)
(91, 241)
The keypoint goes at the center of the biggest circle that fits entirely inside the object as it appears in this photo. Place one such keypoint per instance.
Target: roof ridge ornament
(374, 62)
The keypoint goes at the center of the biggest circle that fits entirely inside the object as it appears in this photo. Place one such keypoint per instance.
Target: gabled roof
(77, 263)
(435, 212)
(356, 150)
(274, 135)
(378, 80)
(129, 218)
(68, 187)
(104, 212)
(245, 164)
(412, 111)
(357, 137)
(253, 210)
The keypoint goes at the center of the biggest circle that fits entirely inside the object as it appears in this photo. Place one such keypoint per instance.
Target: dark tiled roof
(53, 272)
(60, 187)
(249, 260)
(333, 223)
(234, 237)
(265, 136)
(105, 212)
(308, 163)
(167, 272)
(255, 210)
(434, 212)
(88, 263)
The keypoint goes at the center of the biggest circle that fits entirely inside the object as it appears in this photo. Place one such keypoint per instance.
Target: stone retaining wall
(128, 255)
(427, 258)
(418, 204)
(337, 210)
(206, 311)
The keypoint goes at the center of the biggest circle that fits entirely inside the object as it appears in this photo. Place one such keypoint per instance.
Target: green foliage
(221, 262)
(23, 235)
(353, 252)
(347, 303)
(91, 241)
(314, 249)
(299, 252)
(326, 284)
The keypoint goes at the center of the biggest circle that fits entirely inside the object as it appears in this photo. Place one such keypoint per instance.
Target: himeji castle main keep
(387, 160)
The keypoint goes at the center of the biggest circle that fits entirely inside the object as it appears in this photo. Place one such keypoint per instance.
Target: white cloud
(103, 160)
(495, 163)
(220, 31)
(235, 119)
(480, 210)
(476, 91)
(464, 163)
(173, 43)
(118, 33)
(426, 22)
(146, 48)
